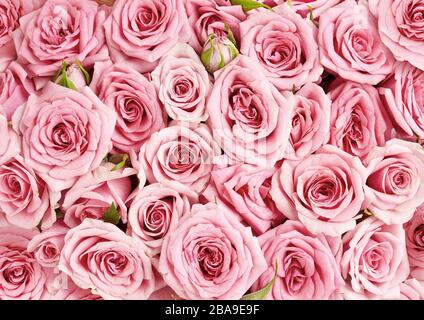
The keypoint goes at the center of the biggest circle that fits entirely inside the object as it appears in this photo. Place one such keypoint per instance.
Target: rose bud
(73, 76)
(217, 52)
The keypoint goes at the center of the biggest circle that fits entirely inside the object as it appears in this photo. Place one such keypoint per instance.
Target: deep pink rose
(139, 33)
(65, 133)
(156, 211)
(414, 230)
(303, 7)
(250, 118)
(412, 289)
(400, 24)
(22, 278)
(99, 256)
(9, 142)
(358, 119)
(307, 264)
(403, 96)
(395, 185)
(284, 44)
(325, 191)
(48, 244)
(211, 255)
(350, 45)
(245, 190)
(61, 30)
(93, 194)
(310, 123)
(183, 84)
(211, 17)
(180, 153)
(25, 199)
(15, 88)
(133, 98)
(374, 261)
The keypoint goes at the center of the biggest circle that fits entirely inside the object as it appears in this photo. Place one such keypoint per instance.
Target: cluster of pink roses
(203, 149)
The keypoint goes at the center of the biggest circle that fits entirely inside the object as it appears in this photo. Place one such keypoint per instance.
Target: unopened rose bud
(218, 52)
(73, 76)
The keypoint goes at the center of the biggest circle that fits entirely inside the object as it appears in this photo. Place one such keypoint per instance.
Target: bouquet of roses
(211, 149)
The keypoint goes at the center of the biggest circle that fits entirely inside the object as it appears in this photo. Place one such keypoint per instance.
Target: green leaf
(248, 5)
(111, 215)
(121, 164)
(84, 72)
(263, 293)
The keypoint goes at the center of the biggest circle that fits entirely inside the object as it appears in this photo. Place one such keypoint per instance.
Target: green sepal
(84, 72)
(111, 215)
(121, 164)
(248, 5)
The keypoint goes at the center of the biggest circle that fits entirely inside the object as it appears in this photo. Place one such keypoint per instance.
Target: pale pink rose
(180, 153)
(400, 25)
(208, 17)
(395, 185)
(139, 33)
(403, 96)
(94, 193)
(414, 230)
(358, 122)
(68, 290)
(99, 256)
(61, 30)
(156, 210)
(412, 289)
(65, 133)
(183, 84)
(303, 7)
(166, 293)
(310, 123)
(48, 244)
(25, 198)
(244, 188)
(22, 278)
(325, 191)
(15, 88)
(374, 261)
(250, 118)
(29, 6)
(350, 45)
(133, 97)
(9, 142)
(211, 256)
(307, 264)
(10, 12)
(284, 44)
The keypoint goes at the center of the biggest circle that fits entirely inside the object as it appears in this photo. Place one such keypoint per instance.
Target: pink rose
(325, 191)
(374, 261)
(48, 244)
(65, 134)
(139, 33)
(207, 17)
(25, 199)
(284, 44)
(403, 95)
(156, 211)
(166, 293)
(350, 45)
(99, 256)
(22, 278)
(310, 123)
(70, 291)
(307, 264)
(412, 289)
(210, 255)
(61, 30)
(93, 194)
(180, 153)
(400, 26)
(414, 230)
(10, 12)
(251, 119)
(245, 190)
(358, 122)
(9, 142)
(133, 98)
(183, 84)
(15, 88)
(303, 7)
(395, 185)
